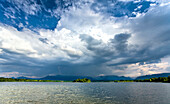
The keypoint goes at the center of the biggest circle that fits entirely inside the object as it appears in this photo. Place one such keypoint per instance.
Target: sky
(84, 37)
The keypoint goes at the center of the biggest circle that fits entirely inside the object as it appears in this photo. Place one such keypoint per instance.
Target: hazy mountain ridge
(153, 76)
(112, 77)
(64, 77)
(98, 78)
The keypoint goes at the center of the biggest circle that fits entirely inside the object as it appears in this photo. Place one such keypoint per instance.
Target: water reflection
(84, 93)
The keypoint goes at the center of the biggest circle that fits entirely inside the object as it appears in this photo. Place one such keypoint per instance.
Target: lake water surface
(84, 93)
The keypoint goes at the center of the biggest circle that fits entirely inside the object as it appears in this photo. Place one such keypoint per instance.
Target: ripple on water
(84, 93)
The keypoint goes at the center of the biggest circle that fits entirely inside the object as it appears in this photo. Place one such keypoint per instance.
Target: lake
(84, 93)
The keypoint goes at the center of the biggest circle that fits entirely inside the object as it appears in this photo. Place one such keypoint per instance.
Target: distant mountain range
(111, 78)
(153, 76)
(71, 78)
(98, 78)
(64, 77)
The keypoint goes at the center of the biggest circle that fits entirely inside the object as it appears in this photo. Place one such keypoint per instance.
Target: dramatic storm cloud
(84, 37)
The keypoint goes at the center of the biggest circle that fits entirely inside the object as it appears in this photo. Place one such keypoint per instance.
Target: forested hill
(153, 76)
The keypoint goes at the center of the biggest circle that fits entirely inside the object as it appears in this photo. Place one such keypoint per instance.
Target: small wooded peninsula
(82, 80)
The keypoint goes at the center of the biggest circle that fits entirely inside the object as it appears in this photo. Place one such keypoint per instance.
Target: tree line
(159, 79)
(25, 80)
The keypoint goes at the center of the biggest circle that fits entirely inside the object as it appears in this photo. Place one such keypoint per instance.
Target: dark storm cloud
(18, 63)
(119, 48)
(116, 48)
(120, 42)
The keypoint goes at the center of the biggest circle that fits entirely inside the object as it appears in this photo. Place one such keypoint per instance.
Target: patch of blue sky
(119, 8)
